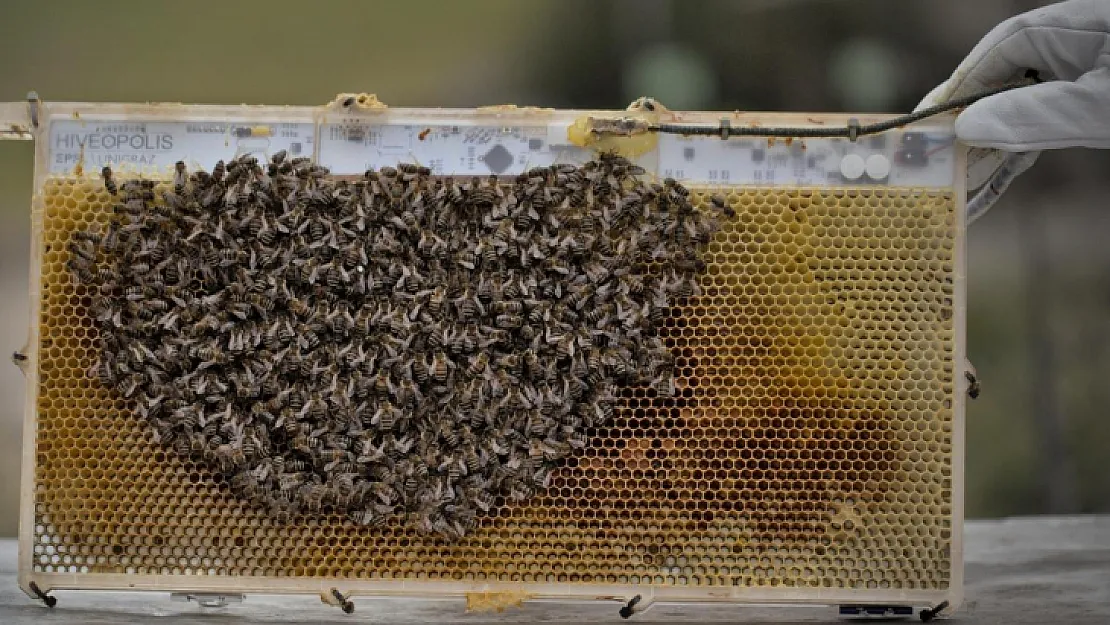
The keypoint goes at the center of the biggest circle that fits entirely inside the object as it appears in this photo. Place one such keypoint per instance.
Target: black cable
(851, 131)
(929, 614)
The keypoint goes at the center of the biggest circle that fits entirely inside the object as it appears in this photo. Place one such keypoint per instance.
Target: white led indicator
(852, 166)
(878, 167)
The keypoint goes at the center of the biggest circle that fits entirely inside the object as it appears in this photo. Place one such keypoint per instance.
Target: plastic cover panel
(813, 447)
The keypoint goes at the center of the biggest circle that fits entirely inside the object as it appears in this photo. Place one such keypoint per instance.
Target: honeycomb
(809, 444)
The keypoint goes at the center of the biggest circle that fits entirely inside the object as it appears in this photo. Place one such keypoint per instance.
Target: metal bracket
(637, 605)
(33, 105)
(338, 599)
(46, 599)
(15, 121)
(630, 608)
(208, 600)
(931, 613)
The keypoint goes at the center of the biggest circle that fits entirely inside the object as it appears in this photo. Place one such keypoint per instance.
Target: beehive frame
(662, 505)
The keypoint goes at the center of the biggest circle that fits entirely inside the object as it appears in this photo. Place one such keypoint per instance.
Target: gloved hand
(1068, 44)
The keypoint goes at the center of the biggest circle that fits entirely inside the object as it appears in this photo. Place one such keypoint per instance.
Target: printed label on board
(900, 158)
(92, 145)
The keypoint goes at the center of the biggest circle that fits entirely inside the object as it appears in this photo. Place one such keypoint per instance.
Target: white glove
(1068, 44)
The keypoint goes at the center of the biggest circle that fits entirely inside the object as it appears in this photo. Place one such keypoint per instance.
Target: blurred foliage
(789, 55)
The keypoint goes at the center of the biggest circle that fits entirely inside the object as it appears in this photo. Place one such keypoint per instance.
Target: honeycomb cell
(810, 443)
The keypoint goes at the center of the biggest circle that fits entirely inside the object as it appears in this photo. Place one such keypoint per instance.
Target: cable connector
(853, 129)
(726, 126)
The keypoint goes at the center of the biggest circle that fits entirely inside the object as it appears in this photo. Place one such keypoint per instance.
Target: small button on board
(852, 166)
(877, 167)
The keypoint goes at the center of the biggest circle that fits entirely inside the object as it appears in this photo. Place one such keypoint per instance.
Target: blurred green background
(1039, 289)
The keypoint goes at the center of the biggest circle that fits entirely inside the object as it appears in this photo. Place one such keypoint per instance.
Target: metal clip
(853, 129)
(726, 128)
(34, 102)
(336, 598)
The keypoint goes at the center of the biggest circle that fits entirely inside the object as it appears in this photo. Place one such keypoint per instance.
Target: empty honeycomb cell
(815, 365)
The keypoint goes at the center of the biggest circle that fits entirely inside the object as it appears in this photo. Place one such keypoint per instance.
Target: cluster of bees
(401, 344)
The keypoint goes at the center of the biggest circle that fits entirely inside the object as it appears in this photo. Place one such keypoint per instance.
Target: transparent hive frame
(813, 454)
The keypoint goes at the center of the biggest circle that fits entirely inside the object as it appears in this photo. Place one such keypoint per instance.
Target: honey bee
(453, 470)
(973, 385)
(521, 492)
(128, 385)
(471, 460)
(385, 418)
(449, 433)
(180, 177)
(453, 192)
(483, 500)
(509, 321)
(335, 455)
(367, 517)
(312, 496)
(603, 411)
(109, 180)
(508, 307)
(478, 364)
(182, 447)
(371, 453)
(383, 384)
(81, 272)
(440, 367)
(198, 443)
(481, 194)
(578, 440)
(467, 259)
(83, 251)
(229, 456)
(305, 443)
(408, 394)
(411, 485)
(103, 372)
(719, 203)
(219, 171)
(86, 235)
